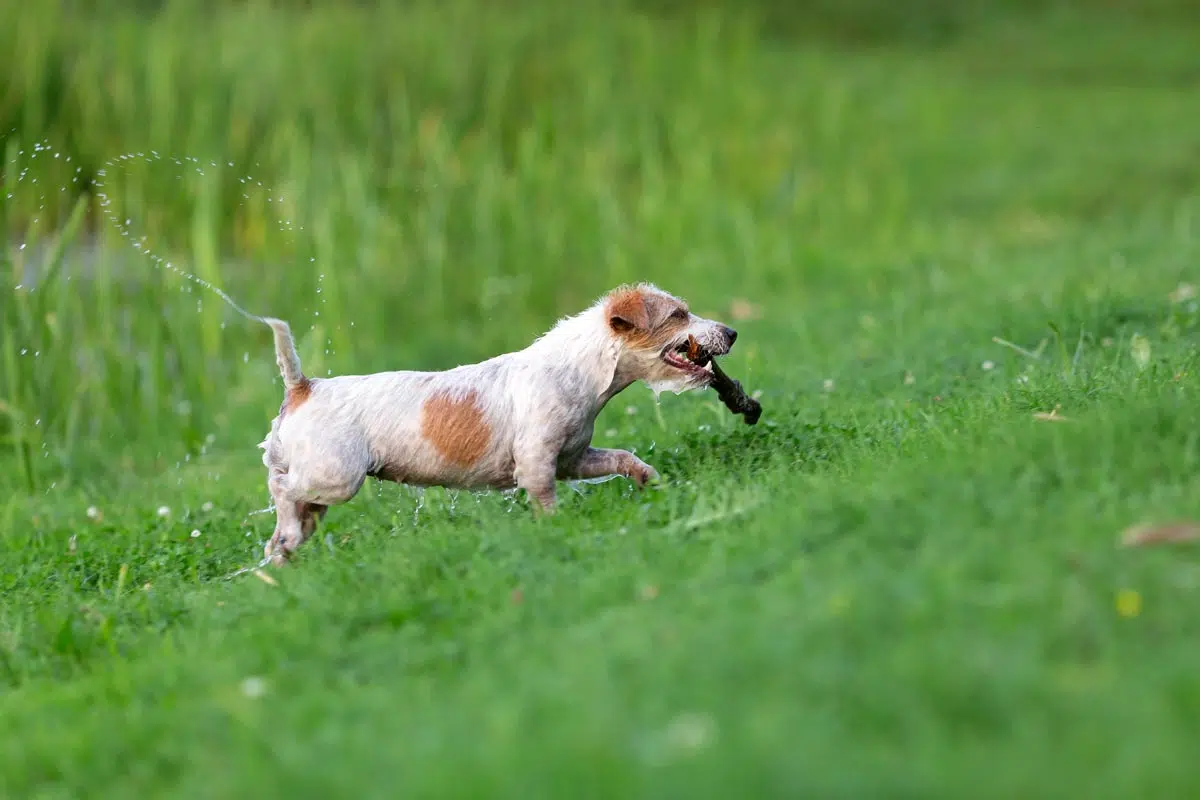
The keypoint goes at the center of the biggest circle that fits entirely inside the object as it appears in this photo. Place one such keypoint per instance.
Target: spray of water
(124, 226)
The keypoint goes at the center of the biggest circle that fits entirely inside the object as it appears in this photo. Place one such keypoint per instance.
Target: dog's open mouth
(690, 356)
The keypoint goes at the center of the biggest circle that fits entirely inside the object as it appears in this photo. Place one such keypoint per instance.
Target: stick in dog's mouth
(689, 356)
(692, 356)
(734, 396)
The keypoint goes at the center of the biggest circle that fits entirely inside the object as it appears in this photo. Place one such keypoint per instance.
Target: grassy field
(960, 246)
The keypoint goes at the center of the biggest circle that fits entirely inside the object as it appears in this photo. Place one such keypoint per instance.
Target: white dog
(519, 420)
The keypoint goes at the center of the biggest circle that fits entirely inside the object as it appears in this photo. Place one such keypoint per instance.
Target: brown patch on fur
(645, 319)
(627, 309)
(455, 427)
(296, 396)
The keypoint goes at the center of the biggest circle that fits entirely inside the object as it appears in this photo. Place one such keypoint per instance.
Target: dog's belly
(496, 472)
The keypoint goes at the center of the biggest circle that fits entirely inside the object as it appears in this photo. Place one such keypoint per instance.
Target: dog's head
(661, 342)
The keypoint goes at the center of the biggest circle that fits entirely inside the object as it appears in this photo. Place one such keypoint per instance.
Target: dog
(521, 420)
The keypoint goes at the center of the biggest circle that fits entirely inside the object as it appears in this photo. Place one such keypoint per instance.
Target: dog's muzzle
(695, 358)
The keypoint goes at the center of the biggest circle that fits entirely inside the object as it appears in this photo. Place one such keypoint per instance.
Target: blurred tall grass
(450, 173)
(443, 176)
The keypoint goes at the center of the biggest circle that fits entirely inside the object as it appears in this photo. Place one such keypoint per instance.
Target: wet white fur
(540, 403)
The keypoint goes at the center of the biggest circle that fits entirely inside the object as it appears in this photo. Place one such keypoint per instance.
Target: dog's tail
(285, 354)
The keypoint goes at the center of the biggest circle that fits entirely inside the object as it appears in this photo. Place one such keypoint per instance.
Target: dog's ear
(627, 312)
(660, 308)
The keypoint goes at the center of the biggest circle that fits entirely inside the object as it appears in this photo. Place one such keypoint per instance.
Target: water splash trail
(124, 226)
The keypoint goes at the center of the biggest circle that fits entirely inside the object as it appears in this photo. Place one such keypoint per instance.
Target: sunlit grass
(965, 288)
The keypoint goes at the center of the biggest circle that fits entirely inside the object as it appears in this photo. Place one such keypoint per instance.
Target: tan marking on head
(455, 426)
(296, 396)
(626, 310)
(645, 318)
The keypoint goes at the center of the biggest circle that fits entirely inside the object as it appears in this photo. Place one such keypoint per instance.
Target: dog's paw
(275, 553)
(643, 474)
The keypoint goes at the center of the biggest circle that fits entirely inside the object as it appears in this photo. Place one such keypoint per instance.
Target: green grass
(903, 582)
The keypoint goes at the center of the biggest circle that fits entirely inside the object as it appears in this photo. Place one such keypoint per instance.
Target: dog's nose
(730, 333)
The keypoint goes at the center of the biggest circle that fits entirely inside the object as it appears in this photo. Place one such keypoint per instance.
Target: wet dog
(519, 420)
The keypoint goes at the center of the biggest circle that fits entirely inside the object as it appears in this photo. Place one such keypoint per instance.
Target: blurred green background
(940, 227)
(463, 172)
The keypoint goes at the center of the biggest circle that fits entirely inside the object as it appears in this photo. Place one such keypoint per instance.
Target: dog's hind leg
(301, 499)
(290, 521)
(311, 515)
(296, 523)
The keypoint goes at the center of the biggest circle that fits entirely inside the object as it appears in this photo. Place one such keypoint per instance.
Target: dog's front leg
(600, 463)
(538, 482)
(534, 470)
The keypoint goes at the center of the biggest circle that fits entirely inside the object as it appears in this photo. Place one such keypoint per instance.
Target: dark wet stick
(734, 396)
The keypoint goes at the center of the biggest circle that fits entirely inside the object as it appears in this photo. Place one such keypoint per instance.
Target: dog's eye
(679, 313)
